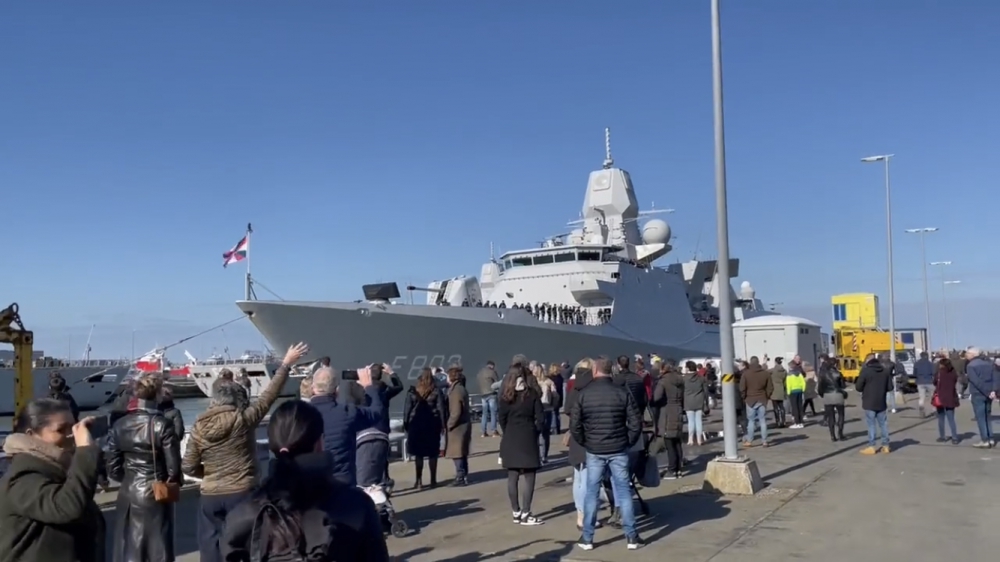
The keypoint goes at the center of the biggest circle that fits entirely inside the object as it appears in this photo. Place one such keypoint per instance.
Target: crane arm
(12, 332)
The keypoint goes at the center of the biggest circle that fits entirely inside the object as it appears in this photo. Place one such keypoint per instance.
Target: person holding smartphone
(48, 500)
(343, 419)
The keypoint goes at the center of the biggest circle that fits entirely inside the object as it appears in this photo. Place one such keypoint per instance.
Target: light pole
(923, 260)
(722, 236)
(944, 299)
(944, 302)
(888, 233)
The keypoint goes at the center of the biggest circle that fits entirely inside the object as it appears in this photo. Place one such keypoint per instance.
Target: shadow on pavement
(555, 554)
(673, 512)
(839, 451)
(419, 517)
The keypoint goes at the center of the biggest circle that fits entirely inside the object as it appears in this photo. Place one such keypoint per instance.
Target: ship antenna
(608, 160)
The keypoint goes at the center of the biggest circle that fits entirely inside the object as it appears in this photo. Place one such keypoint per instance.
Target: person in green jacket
(795, 386)
(47, 508)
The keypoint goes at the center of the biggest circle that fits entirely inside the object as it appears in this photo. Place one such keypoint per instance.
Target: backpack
(313, 534)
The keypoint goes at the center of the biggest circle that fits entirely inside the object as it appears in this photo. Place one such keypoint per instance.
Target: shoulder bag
(163, 492)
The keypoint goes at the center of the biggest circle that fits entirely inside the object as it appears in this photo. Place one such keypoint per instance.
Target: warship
(593, 291)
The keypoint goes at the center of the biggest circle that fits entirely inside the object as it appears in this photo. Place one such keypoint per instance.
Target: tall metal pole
(248, 289)
(944, 308)
(892, 285)
(722, 234)
(927, 295)
(944, 302)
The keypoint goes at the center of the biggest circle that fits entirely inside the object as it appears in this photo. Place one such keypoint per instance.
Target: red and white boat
(178, 377)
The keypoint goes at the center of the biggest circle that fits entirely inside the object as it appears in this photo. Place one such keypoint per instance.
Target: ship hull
(82, 392)
(412, 337)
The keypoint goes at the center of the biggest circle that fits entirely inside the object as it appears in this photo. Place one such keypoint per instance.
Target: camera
(349, 375)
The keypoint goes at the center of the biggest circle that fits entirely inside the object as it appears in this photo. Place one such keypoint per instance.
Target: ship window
(589, 256)
(907, 338)
(541, 260)
(565, 257)
(506, 264)
(521, 261)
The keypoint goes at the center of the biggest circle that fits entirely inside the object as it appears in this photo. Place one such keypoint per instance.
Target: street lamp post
(888, 233)
(923, 260)
(944, 299)
(722, 234)
(944, 302)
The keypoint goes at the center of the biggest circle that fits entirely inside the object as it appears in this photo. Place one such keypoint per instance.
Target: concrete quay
(822, 501)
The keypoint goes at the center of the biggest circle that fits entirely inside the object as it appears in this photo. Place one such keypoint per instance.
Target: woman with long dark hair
(945, 399)
(459, 425)
(144, 454)
(522, 420)
(300, 512)
(423, 423)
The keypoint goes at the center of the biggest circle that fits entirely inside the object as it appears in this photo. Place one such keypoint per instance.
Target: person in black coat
(668, 398)
(423, 422)
(47, 508)
(301, 511)
(521, 419)
(389, 386)
(60, 391)
(142, 448)
(171, 412)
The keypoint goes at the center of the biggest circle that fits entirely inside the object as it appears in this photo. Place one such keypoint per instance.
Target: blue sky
(396, 141)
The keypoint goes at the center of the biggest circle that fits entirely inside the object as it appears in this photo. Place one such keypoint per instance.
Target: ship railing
(221, 363)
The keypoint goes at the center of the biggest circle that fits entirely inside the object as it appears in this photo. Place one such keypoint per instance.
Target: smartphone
(349, 375)
(99, 427)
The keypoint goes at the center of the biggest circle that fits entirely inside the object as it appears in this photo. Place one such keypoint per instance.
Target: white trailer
(778, 336)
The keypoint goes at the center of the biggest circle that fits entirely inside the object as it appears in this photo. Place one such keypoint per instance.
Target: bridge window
(518, 262)
(507, 264)
(542, 260)
(565, 257)
(589, 256)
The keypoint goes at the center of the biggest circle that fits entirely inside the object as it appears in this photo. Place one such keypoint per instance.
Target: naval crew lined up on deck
(560, 314)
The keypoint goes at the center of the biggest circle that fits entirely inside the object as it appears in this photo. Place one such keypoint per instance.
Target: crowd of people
(313, 499)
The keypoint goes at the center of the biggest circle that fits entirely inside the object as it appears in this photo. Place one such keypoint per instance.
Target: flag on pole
(238, 253)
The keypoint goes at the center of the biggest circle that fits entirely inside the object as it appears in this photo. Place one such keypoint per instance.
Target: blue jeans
(489, 421)
(556, 423)
(756, 413)
(942, 415)
(618, 465)
(580, 489)
(882, 421)
(982, 407)
(695, 428)
(890, 398)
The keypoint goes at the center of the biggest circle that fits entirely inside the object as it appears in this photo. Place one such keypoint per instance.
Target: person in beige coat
(459, 425)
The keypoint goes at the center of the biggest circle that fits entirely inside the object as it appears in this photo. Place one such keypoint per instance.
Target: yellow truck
(853, 345)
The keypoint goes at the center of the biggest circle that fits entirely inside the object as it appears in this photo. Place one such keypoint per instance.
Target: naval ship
(593, 291)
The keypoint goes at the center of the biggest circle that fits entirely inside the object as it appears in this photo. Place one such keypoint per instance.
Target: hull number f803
(412, 365)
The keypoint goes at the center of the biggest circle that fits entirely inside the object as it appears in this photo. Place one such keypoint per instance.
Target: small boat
(260, 367)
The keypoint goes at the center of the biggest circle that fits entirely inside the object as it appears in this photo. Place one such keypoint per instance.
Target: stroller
(372, 456)
(638, 457)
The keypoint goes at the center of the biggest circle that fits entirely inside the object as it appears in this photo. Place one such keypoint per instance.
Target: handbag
(936, 400)
(163, 492)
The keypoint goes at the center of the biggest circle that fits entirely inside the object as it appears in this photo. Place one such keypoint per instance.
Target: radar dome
(656, 231)
(747, 292)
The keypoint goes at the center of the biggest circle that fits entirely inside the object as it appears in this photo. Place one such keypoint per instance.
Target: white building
(778, 336)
